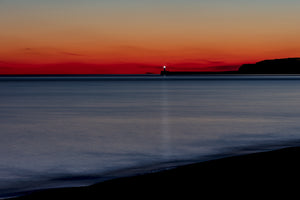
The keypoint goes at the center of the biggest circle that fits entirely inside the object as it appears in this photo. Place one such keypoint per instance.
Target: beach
(266, 173)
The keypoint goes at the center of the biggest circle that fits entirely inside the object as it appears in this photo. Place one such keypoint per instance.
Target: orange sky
(141, 36)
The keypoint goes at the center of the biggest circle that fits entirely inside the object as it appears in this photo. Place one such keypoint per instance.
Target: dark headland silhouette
(276, 66)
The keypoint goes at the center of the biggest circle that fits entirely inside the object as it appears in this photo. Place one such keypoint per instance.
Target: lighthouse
(164, 72)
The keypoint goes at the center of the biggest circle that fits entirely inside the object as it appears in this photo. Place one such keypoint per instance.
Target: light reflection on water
(55, 130)
(165, 129)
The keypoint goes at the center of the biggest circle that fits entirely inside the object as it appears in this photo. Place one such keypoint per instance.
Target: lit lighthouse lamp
(164, 72)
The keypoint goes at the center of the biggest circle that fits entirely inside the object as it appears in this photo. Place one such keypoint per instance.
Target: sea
(77, 131)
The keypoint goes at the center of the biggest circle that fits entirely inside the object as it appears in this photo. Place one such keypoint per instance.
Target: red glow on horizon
(121, 68)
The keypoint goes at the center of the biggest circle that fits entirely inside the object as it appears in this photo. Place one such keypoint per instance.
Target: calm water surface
(58, 132)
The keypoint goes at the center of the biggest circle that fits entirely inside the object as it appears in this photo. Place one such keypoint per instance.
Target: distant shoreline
(283, 66)
(147, 75)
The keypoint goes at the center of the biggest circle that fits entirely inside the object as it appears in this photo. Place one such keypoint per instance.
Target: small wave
(79, 180)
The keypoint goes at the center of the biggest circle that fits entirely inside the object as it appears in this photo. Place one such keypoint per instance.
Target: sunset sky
(140, 36)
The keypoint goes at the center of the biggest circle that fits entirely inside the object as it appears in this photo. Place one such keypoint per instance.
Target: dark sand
(266, 174)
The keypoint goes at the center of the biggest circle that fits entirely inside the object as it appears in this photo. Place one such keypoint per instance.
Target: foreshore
(266, 173)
